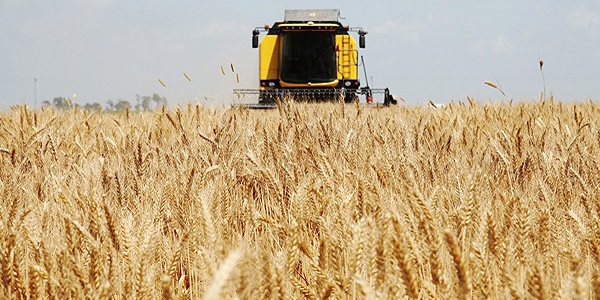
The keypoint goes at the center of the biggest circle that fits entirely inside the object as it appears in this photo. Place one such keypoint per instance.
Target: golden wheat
(316, 201)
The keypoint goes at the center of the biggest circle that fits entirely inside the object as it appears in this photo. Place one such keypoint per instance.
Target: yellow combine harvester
(310, 56)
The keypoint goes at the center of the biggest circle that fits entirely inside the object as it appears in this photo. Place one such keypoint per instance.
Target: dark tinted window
(308, 57)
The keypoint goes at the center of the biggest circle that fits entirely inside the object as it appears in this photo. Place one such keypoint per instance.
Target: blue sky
(422, 50)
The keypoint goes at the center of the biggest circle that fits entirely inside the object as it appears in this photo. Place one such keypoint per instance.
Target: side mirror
(361, 38)
(255, 38)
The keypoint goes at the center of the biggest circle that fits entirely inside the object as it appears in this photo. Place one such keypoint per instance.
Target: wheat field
(308, 201)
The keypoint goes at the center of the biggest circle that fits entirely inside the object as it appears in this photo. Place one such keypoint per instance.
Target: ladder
(345, 57)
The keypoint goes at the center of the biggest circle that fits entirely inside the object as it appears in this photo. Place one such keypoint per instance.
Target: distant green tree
(143, 102)
(160, 101)
(92, 106)
(121, 105)
(60, 103)
(111, 105)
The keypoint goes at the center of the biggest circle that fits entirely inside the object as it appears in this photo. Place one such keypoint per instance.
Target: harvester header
(311, 56)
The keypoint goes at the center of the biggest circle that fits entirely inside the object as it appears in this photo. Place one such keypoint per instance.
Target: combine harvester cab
(310, 56)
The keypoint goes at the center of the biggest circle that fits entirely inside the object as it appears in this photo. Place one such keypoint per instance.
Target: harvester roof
(314, 15)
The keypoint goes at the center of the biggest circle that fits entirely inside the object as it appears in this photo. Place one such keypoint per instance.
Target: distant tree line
(143, 103)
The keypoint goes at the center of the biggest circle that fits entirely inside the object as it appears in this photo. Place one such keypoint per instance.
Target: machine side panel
(269, 57)
(347, 57)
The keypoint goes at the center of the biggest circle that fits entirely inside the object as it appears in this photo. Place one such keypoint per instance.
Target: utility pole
(35, 92)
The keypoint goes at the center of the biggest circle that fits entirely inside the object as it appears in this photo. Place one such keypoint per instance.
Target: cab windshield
(308, 57)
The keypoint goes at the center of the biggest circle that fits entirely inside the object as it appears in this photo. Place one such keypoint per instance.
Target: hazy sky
(422, 50)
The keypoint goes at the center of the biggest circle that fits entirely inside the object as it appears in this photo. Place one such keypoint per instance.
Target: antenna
(367, 89)
(364, 69)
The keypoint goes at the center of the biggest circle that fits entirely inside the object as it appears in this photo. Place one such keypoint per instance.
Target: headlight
(271, 83)
(347, 83)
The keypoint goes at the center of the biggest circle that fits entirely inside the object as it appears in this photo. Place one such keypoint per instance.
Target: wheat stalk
(461, 269)
(222, 275)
